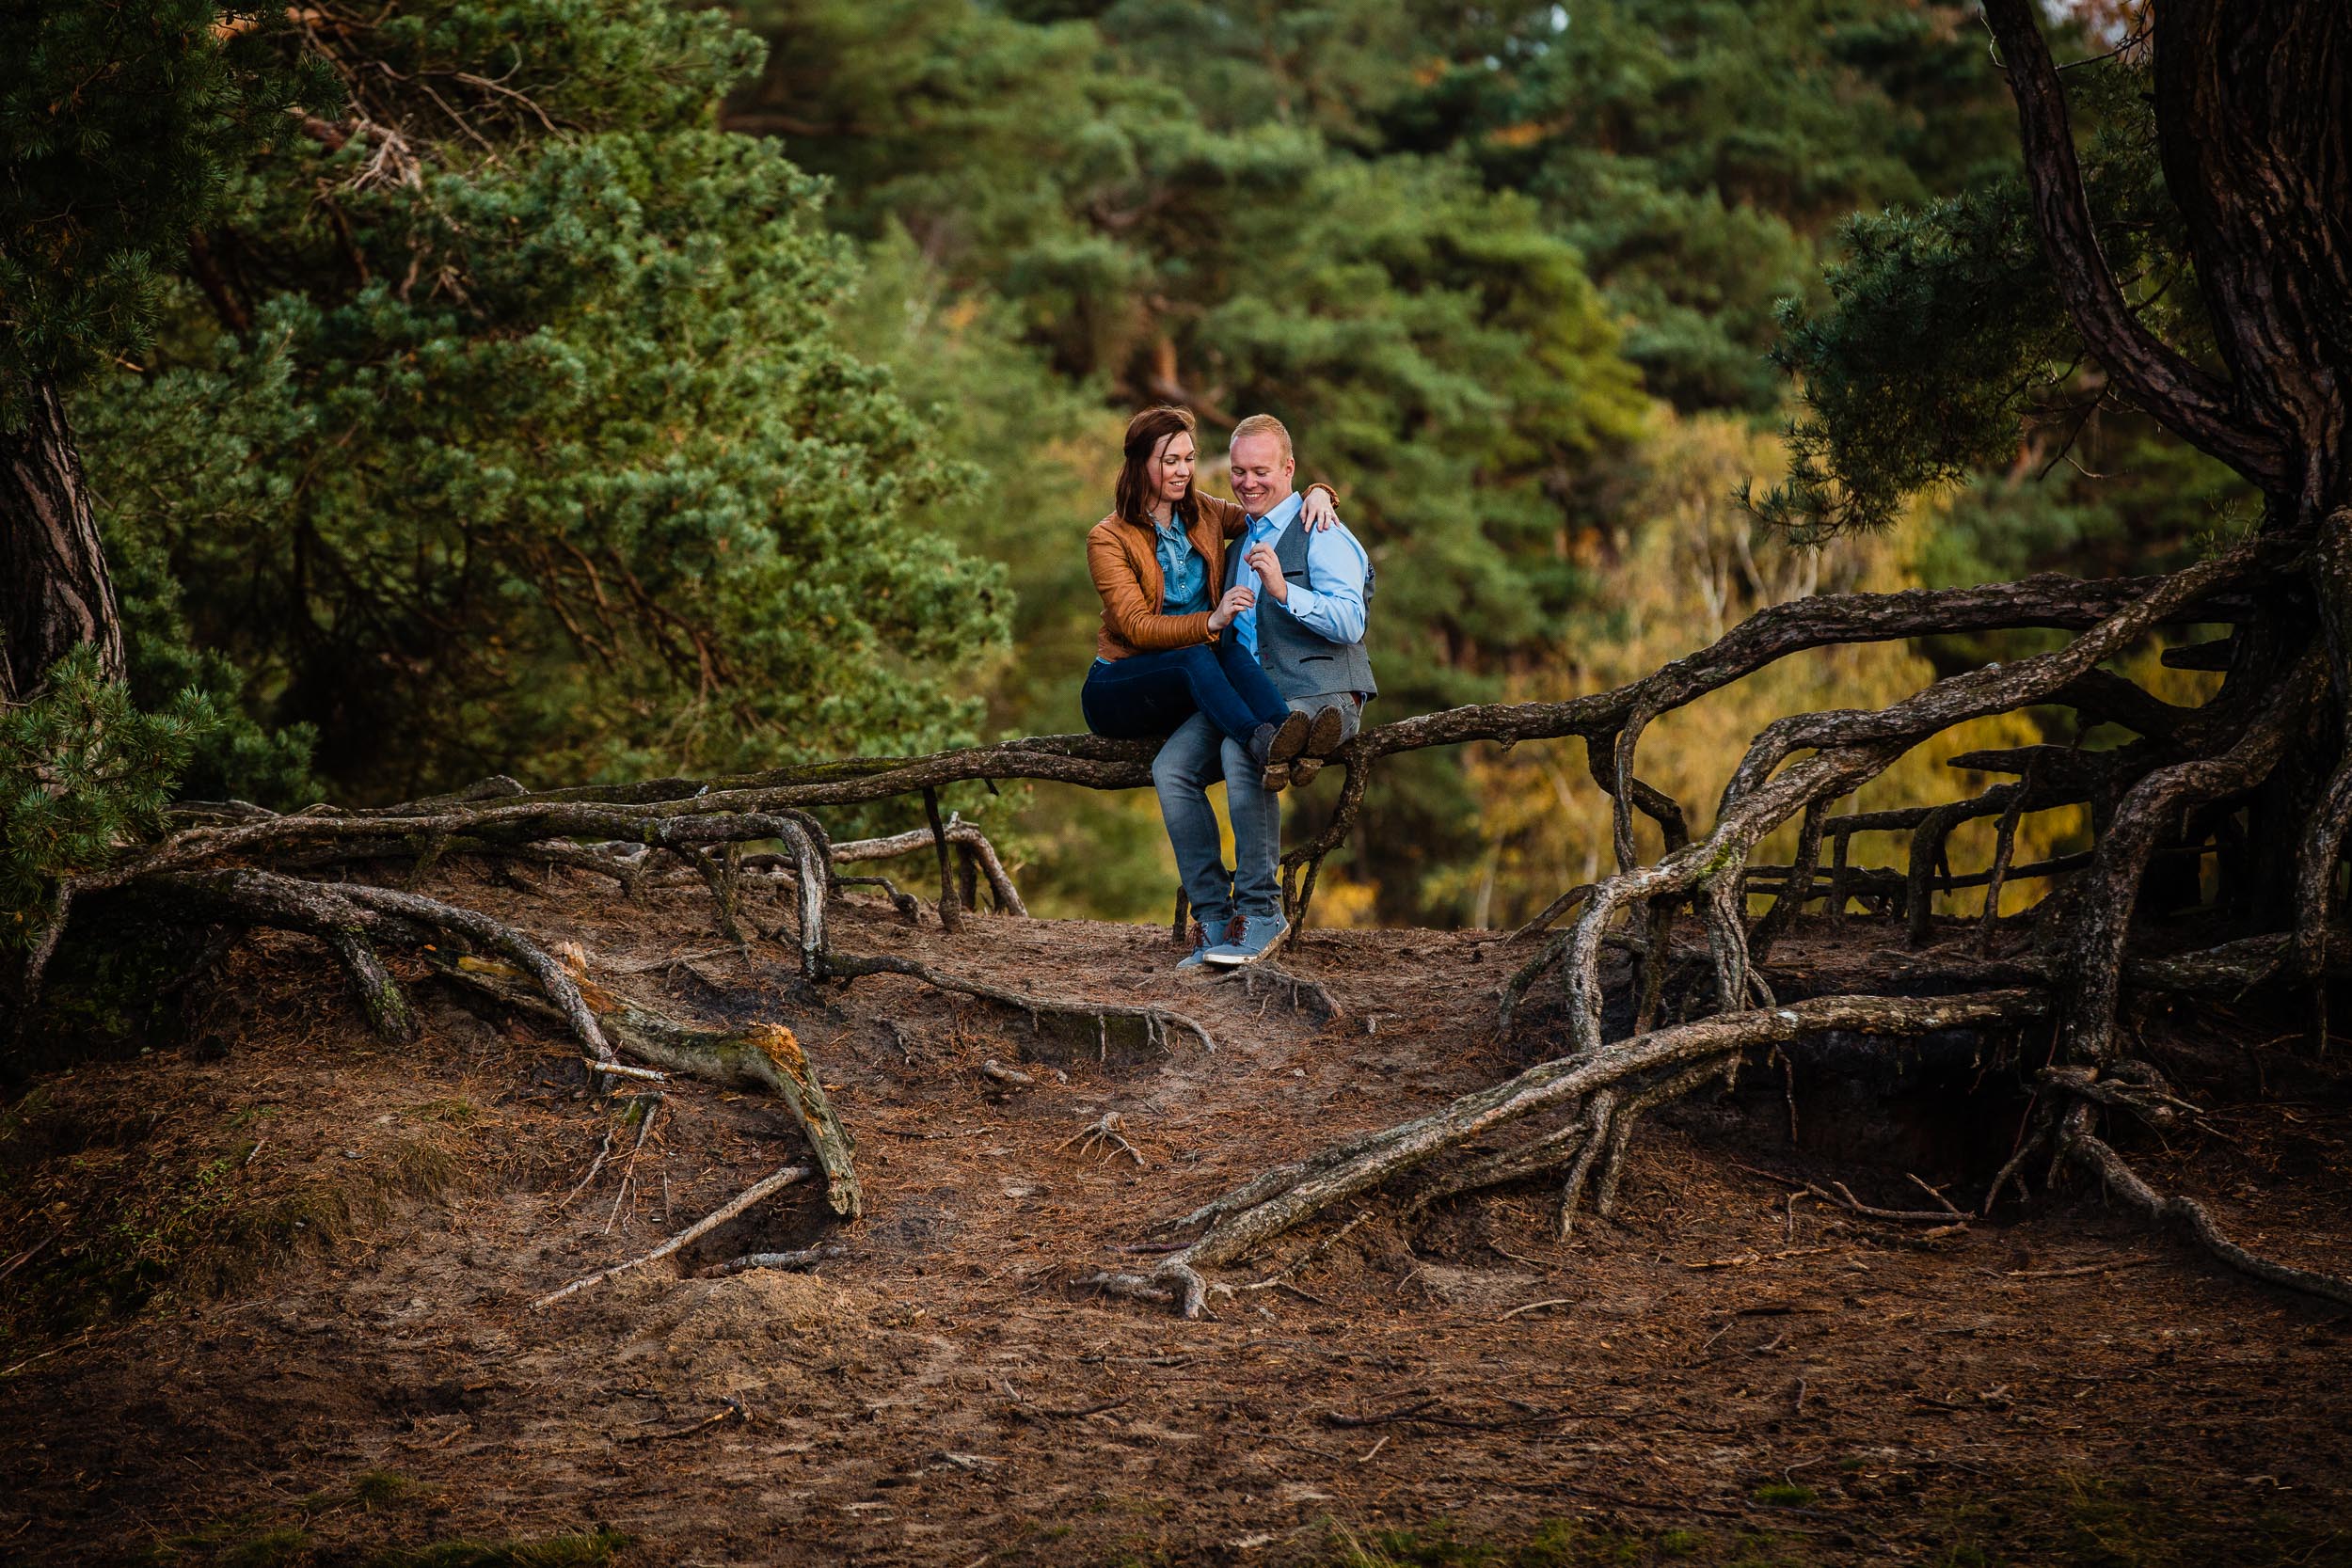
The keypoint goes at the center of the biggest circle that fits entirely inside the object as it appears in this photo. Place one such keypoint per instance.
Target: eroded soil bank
(323, 1250)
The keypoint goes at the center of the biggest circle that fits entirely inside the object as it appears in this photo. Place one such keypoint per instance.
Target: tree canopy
(499, 426)
(574, 388)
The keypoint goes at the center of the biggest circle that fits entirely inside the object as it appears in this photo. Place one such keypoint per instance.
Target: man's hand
(1260, 560)
(1317, 511)
(1235, 602)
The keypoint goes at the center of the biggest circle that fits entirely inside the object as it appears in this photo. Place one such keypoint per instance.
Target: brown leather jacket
(1125, 563)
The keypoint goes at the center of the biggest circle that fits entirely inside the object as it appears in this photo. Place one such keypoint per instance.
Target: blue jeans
(1195, 757)
(1151, 694)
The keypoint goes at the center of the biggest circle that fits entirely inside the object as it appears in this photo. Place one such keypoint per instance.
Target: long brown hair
(1133, 500)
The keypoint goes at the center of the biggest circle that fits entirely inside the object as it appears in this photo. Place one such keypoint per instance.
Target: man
(1306, 627)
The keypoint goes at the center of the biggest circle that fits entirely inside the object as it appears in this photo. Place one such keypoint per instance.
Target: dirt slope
(324, 1250)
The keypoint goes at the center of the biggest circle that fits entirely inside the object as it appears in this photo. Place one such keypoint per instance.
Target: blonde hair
(1262, 424)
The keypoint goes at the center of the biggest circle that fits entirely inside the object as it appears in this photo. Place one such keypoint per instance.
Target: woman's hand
(1318, 509)
(1231, 606)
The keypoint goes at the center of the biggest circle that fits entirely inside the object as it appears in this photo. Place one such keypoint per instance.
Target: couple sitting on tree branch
(1233, 634)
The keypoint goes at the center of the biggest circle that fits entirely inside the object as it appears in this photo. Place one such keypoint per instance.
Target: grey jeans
(1189, 761)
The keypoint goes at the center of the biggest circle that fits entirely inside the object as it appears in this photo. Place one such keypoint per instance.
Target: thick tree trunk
(2254, 124)
(54, 590)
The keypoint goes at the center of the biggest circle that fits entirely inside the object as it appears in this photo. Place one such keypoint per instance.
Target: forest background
(591, 388)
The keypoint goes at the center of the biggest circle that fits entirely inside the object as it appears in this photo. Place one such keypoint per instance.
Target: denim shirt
(1184, 576)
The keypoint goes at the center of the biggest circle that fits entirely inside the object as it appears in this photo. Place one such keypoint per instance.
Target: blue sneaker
(1259, 934)
(1200, 945)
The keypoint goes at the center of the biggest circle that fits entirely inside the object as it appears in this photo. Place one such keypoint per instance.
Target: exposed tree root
(765, 1055)
(2159, 800)
(1837, 1194)
(2274, 746)
(2079, 1144)
(1251, 1216)
(1107, 1132)
(1156, 1022)
(1847, 749)
(799, 1257)
(964, 835)
(1300, 994)
(550, 976)
(2103, 908)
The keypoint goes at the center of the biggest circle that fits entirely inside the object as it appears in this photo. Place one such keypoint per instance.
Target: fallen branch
(752, 1195)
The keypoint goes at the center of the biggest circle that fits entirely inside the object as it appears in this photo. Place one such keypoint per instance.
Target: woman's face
(1170, 468)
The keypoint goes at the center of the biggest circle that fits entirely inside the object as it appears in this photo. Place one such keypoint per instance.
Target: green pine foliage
(1945, 351)
(1699, 153)
(509, 431)
(119, 123)
(1941, 321)
(84, 779)
(1156, 224)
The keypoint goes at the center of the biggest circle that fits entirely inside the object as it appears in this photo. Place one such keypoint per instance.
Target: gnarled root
(2103, 907)
(1299, 994)
(1156, 1022)
(963, 835)
(351, 917)
(2077, 1141)
(766, 1055)
(1278, 1200)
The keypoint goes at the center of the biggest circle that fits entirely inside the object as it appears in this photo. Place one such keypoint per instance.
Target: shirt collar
(1274, 522)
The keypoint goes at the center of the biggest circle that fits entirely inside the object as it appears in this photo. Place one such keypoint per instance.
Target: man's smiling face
(1262, 473)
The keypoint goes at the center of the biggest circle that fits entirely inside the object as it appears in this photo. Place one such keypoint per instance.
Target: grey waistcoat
(1299, 663)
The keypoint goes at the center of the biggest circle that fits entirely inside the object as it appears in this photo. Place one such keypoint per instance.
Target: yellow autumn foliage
(1688, 566)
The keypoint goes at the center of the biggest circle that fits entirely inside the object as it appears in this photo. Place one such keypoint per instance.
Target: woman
(1162, 654)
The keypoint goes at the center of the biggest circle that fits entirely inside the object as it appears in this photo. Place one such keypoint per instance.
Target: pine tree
(120, 120)
(501, 425)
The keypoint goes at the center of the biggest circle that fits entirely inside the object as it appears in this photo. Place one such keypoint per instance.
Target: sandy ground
(1715, 1377)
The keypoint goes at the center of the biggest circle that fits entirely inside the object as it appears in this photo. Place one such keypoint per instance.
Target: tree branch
(2195, 405)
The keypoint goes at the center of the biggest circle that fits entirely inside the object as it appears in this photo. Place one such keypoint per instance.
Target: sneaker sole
(1326, 732)
(1240, 960)
(1289, 738)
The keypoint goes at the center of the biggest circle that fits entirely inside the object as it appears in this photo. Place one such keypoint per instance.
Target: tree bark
(2255, 127)
(2183, 396)
(54, 590)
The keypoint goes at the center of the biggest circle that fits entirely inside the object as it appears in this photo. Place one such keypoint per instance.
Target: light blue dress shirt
(1333, 608)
